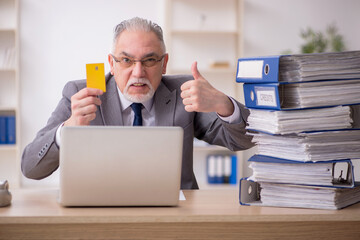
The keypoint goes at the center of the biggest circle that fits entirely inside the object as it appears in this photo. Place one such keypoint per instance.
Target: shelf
(11, 109)
(207, 16)
(7, 29)
(211, 148)
(184, 49)
(206, 70)
(9, 87)
(204, 32)
(8, 70)
(218, 186)
(8, 147)
(208, 32)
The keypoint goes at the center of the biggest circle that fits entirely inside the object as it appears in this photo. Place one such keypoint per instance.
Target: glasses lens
(149, 62)
(126, 62)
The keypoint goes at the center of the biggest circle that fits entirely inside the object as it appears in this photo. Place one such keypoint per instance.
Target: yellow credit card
(95, 76)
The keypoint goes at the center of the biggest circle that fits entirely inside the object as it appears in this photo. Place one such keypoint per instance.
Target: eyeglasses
(126, 62)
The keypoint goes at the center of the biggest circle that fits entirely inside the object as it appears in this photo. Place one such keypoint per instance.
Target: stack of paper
(281, 195)
(333, 173)
(323, 66)
(320, 174)
(295, 121)
(311, 146)
(320, 93)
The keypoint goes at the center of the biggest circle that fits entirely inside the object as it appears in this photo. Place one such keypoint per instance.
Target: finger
(80, 103)
(94, 91)
(90, 109)
(186, 85)
(79, 112)
(86, 119)
(187, 101)
(90, 117)
(189, 108)
(195, 72)
(85, 92)
(91, 100)
(185, 94)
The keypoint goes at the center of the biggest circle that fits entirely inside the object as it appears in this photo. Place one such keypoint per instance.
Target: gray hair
(138, 24)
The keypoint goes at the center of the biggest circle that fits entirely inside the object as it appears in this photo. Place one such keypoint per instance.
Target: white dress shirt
(147, 112)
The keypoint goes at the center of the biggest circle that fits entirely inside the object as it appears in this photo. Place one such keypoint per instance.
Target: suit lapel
(110, 108)
(164, 103)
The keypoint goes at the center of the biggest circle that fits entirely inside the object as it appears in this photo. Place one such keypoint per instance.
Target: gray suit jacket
(41, 157)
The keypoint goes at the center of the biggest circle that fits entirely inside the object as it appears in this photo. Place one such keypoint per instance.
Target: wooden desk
(210, 214)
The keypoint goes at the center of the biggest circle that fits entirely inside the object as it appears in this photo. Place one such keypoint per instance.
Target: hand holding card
(84, 103)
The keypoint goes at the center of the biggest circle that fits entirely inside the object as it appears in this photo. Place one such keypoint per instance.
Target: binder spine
(233, 176)
(258, 70)
(263, 96)
(227, 169)
(211, 169)
(7, 129)
(11, 130)
(219, 171)
(3, 130)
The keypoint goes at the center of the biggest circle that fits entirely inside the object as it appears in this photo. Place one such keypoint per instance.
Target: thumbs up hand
(199, 96)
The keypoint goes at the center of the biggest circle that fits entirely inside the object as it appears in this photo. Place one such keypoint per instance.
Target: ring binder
(299, 67)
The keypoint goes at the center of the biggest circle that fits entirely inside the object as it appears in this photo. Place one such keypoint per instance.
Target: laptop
(120, 166)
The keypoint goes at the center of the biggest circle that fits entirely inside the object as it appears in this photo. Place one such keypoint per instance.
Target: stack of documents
(320, 93)
(300, 81)
(320, 173)
(304, 119)
(300, 67)
(280, 195)
(286, 122)
(314, 67)
(288, 96)
(283, 183)
(334, 173)
(310, 146)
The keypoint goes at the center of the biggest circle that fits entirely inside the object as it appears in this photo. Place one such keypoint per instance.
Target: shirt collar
(126, 103)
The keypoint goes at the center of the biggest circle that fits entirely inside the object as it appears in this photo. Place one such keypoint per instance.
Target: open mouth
(138, 84)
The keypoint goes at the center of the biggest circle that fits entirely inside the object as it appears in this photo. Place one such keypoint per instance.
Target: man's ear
(111, 63)
(166, 59)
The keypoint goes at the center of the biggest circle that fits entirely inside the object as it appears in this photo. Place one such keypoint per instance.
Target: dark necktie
(136, 107)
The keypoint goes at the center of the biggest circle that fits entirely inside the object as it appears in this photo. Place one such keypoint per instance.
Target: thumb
(194, 71)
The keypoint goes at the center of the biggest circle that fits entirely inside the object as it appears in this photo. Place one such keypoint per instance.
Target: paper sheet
(182, 196)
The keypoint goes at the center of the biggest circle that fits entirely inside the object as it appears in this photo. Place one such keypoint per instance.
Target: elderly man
(137, 83)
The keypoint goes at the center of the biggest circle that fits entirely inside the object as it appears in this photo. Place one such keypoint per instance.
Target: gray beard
(139, 98)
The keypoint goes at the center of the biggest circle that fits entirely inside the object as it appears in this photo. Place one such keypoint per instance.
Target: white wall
(272, 26)
(59, 37)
